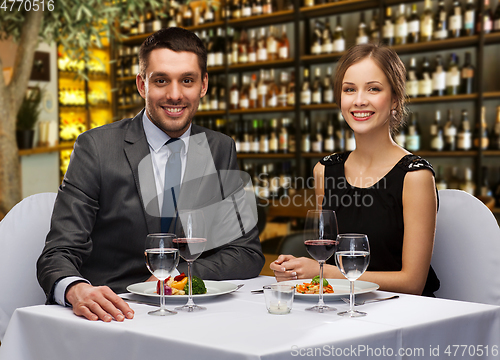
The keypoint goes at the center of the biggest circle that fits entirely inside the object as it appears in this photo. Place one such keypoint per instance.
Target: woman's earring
(393, 112)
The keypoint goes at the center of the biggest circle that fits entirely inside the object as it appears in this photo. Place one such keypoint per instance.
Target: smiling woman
(400, 217)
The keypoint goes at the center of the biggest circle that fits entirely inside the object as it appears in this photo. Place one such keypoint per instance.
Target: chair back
(466, 254)
(22, 238)
(293, 244)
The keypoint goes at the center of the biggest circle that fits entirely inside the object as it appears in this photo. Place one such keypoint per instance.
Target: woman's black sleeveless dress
(376, 211)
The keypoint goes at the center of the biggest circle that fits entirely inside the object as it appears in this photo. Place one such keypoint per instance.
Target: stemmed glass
(320, 235)
(352, 258)
(161, 259)
(191, 241)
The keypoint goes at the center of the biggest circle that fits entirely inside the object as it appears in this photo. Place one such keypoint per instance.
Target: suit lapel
(136, 149)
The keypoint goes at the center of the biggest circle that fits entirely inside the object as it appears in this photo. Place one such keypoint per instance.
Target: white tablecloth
(237, 326)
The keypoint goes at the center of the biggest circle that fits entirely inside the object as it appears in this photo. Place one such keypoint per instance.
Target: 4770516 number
(27, 5)
(471, 350)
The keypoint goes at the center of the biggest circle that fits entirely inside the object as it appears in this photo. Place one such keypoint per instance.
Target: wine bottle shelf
(422, 153)
(263, 20)
(319, 107)
(437, 45)
(131, 106)
(125, 78)
(440, 99)
(49, 149)
(210, 113)
(265, 156)
(261, 110)
(262, 65)
(338, 8)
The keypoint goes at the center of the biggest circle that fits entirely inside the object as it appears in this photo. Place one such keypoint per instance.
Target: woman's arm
(419, 216)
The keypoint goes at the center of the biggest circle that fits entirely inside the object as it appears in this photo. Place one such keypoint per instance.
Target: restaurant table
(238, 326)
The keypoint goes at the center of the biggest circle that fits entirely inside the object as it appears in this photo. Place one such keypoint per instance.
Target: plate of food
(332, 288)
(176, 288)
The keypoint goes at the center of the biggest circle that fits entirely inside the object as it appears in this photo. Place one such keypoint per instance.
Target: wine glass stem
(320, 302)
(351, 296)
(162, 295)
(190, 280)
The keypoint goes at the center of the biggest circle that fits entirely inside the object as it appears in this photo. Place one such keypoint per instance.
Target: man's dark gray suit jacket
(99, 223)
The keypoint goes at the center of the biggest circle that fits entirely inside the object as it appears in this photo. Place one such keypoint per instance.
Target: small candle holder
(279, 298)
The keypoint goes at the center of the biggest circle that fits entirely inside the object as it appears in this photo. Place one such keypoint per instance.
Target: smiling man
(112, 193)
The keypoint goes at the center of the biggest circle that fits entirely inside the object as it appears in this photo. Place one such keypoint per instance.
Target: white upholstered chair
(466, 254)
(22, 237)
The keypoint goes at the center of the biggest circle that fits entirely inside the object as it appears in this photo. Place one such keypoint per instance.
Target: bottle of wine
(362, 34)
(328, 86)
(292, 143)
(222, 93)
(350, 140)
(283, 89)
(272, 44)
(187, 16)
(290, 100)
(268, 7)
(262, 45)
(468, 185)
(317, 138)
(272, 90)
(496, 19)
(413, 134)
(214, 95)
(453, 76)
(470, 18)
(274, 137)
(283, 136)
(339, 37)
(253, 93)
(495, 133)
(209, 14)
(317, 88)
(329, 140)
(425, 85)
(339, 127)
(440, 22)
(262, 90)
(414, 26)
(245, 143)
(234, 94)
(450, 133)
(437, 139)
(257, 8)
(255, 139)
(251, 48)
(426, 22)
(400, 137)
(284, 44)
(246, 8)
(211, 49)
(412, 82)
(219, 47)
(306, 136)
(317, 39)
(236, 10)
(327, 38)
(486, 18)
(464, 136)
(439, 78)
(481, 138)
(244, 96)
(456, 20)
(374, 28)
(305, 92)
(401, 27)
(236, 135)
(467, 75)
(454, 180)
(264, 138)
(388, 28)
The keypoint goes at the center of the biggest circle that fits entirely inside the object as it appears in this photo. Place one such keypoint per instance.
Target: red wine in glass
(320, 250)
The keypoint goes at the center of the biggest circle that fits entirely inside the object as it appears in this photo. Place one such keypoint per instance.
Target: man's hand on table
(97, 303)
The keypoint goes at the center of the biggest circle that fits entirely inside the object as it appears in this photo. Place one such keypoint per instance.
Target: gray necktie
(171, 188)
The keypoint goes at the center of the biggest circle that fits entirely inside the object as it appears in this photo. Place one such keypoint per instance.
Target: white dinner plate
(340, 288)
(214, 288)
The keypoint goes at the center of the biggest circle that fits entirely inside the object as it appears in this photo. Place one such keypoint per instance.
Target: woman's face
(367, 99)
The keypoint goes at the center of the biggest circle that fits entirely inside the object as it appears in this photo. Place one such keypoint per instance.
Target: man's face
(172, 88)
